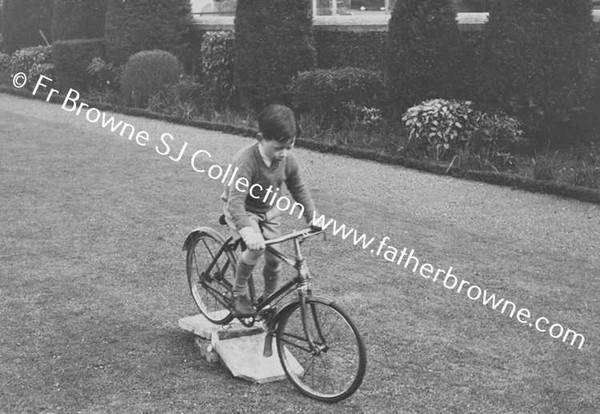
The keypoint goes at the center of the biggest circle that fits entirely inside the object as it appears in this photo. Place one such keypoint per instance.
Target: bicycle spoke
(211, 290)
(334, 366)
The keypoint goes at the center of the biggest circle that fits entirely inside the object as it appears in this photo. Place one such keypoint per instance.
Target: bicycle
(319, 346)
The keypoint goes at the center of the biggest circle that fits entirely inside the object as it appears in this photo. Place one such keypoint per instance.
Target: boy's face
(275, 150)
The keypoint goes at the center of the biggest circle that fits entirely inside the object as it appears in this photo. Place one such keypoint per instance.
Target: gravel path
(528, 221)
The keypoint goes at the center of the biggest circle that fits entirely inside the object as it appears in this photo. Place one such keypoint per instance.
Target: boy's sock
(242, 274)
(271, 276)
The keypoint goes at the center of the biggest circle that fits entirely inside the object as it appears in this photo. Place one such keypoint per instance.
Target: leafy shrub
(178, 100)
(367, 117)
(536, 62)
(146, 73)
(71, 60)
(22, 21)
(103, 75)
(273, 43)
(494, 137)
(447, 128)
(438, 126)
(490, 142)
(423, 53)
(336, 93)
(33, 61)
(217, 67)
(136, 25)
(78, 19)
(5, 68)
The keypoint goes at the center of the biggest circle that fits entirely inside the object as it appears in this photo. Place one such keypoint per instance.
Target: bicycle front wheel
(333, 366)
(211, 290)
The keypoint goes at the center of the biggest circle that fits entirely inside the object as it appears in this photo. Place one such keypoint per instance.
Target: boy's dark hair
(277, 122)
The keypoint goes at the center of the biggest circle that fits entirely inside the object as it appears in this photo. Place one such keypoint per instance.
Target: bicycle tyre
(211, 292)
(344, 353)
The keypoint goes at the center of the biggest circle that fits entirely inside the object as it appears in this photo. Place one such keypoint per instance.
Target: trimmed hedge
(536, 63)
(423, 53)
(146, 73)
(78, 19)
(344, 49)
(22, 20)
(71, 60)
(329, 91)
(273, 42)
(136, 25)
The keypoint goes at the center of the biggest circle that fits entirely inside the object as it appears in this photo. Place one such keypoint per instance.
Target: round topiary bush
(423, 53)
(536, 63)
(78, 19)
(22, 21)
(135, 25)
(273, 42)
(146, 73)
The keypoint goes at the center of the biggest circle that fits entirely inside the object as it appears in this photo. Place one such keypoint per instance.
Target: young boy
(252, 213)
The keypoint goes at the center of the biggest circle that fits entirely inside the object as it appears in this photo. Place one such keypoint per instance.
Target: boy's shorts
(269, 223)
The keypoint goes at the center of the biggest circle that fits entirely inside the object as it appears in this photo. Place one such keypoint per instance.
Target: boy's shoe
(242, 307)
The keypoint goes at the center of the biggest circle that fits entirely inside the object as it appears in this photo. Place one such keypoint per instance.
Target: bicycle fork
(303, 291)
(272, 323)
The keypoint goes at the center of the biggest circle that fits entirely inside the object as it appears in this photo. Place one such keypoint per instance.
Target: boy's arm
(299, 190)
(236, 199)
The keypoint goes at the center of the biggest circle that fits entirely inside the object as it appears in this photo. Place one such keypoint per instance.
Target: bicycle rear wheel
(333, 369)
(212, 291)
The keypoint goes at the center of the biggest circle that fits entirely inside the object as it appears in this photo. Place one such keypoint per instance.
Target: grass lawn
(92, 280)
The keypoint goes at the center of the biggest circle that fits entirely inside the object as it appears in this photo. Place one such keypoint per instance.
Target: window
(340, 7)
(368, 5)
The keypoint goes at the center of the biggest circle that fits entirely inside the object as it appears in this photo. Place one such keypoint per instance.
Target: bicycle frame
(294, 324)
(300, 283)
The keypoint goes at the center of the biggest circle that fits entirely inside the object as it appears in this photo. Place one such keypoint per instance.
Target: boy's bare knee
(252, 256)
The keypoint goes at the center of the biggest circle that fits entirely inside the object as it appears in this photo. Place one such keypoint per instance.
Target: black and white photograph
(316, 206)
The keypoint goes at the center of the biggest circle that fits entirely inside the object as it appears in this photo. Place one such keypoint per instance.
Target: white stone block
(238, 347)
(244, 358)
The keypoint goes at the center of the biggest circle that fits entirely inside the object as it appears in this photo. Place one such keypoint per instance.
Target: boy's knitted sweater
(264, 187)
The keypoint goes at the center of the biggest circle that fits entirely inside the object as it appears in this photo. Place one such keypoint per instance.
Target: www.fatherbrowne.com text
(408, 260)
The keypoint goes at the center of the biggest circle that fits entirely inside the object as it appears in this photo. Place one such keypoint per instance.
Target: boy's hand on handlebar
(314, 227)
(253, 239)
